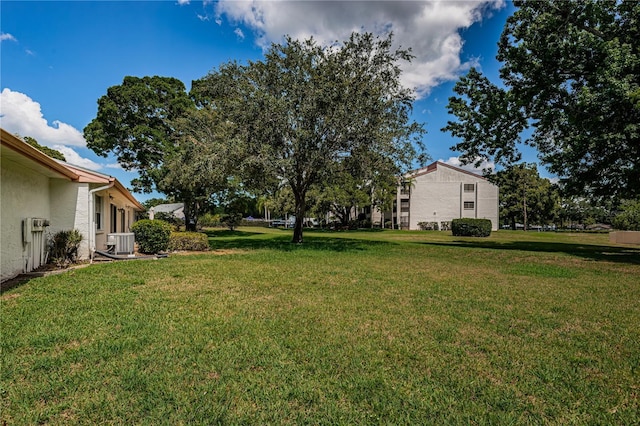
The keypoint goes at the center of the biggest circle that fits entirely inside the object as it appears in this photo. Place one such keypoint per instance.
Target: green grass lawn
(363, 327)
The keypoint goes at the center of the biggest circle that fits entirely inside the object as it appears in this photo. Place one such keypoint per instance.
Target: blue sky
(58, 58)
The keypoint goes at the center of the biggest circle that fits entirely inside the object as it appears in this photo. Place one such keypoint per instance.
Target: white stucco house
(440, 193)
(40, 196)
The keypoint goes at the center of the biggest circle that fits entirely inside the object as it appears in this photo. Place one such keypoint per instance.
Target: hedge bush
(152, 235)
(471, 227)
(194, 241)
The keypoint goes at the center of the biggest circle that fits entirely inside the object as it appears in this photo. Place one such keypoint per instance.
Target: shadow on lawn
(628, 255)
(250, 241)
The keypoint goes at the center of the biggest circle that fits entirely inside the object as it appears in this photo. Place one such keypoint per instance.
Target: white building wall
(25, 193)
(488, 203)
(70, 210)
(434, 202)
(439, 196)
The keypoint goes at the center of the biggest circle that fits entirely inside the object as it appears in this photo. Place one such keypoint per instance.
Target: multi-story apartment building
(439, 193)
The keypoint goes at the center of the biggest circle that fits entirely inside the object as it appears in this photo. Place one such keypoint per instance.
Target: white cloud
(22, 115)
(239, 33)
(554, 180)
(7, 36)
(455, 161)
(114, 166)
(74, 158)
(430, 28)
(183, 2)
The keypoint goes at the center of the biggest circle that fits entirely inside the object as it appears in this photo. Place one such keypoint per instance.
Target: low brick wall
(625, 237)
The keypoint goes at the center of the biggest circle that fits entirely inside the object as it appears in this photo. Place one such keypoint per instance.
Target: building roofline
(434, 166)
(16, 144)
(64, 169)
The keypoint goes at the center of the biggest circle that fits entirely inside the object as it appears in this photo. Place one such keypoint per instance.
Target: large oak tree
(152, 126)
(305, 109)
(571, 72)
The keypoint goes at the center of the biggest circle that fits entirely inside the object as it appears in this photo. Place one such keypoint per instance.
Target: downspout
(92, 218)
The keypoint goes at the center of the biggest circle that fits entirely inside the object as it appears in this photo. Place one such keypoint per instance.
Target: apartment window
(469, 205)
(98, 210)
(469, 187)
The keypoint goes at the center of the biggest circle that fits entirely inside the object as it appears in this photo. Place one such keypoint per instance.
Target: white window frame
(99, 212)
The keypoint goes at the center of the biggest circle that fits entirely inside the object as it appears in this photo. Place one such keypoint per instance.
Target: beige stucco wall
(25, 193)
(114, 197)
(70, 210)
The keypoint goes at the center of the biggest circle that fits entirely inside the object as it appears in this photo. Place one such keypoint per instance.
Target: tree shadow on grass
(224, 233)
(629, 255)
(283, 243)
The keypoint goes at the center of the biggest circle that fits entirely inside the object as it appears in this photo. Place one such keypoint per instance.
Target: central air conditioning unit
(122, 243)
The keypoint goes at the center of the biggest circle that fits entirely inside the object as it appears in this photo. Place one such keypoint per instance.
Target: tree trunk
(300, 210)
(190, 216)
(525, 212)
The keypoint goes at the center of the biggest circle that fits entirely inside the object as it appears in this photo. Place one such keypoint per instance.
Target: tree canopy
(53, 153)
(305, 109)
(571, 72)
(524, 196)
(152, 126)
(135, 122)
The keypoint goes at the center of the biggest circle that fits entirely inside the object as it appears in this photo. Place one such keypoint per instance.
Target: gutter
(92, 218)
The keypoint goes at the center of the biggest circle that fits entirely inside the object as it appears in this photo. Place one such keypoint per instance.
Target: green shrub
(471, 227)
(231, 220)
(63, 247)
(428, 226)
(152, 235)
(194, 241)
(629, 217)
(175, 222)
(209, 220)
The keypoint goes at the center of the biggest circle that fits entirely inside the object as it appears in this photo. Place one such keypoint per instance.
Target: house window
(469, 205)
(469, 187)
(114, 218)
(122, 221)
(98, 214)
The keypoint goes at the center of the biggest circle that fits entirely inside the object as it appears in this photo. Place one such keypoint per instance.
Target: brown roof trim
(20, 146)
(73, 173)
(129, 196)
(434, 166)
(92, 176)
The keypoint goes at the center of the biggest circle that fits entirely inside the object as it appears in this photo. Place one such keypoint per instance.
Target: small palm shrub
(194, 241)
(152, 236)
(63, 247)
(471, 227)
